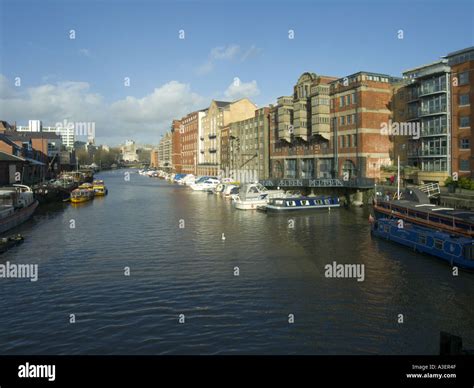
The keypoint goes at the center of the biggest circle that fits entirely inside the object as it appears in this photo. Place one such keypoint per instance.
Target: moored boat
(17, 204)
(9, 242)
(455, 249)
(99, 188)
(300, 203)
(81, 195)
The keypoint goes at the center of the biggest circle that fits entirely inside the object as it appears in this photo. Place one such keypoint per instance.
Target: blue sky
(223, 40)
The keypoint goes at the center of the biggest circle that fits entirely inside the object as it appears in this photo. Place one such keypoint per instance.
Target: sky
(128, 72)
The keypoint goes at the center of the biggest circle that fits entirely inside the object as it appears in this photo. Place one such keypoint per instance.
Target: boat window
(469, 252)
(279, 202)
(422, 239)
(438, 244)
(386, 228)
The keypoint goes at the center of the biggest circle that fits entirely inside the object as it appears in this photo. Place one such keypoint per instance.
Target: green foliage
(463, 183)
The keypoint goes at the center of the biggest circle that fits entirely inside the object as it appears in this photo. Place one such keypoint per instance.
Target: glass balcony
(429, 110)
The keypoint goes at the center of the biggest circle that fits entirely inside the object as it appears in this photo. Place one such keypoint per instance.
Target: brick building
(331, 126)
(176, 145)
(462, 115)
(191, 130)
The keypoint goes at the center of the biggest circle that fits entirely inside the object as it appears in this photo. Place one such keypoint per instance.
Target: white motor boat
(17, 205)
(253, 195)
(205, 183)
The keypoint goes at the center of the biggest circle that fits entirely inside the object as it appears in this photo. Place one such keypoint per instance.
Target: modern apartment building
(218, 115)
(462, 115)
(428, 102)
(248, 143)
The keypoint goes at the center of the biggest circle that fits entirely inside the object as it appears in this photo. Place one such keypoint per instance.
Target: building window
(464, 121)
(465, 144)
(348, 140)
(463, 78)
(349, 119)
(353, 98)
(354, 140)
(464, 165)
(348, 99)
(341, 101)
(464, 99)
(343, 120)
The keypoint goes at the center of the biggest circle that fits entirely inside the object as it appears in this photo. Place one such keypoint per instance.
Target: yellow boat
(81, 195)
(86, 186)
(99, 188)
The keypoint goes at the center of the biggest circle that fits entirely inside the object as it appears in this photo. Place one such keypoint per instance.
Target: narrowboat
(300, 203)
(455, 249)
(415, 207)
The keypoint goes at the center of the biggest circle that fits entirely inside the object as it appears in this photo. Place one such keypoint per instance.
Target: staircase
(430, 189)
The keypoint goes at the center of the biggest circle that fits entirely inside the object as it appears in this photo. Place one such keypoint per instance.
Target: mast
(398, 178)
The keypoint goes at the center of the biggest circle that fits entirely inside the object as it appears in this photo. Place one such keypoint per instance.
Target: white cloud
(142, 118)
(84, 52)
(226, 53)
(241, 89)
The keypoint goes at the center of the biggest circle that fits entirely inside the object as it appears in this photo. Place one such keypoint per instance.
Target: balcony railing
(212, 150)
(432, 110)
(438, 151)
(212, 135)
(430, 89)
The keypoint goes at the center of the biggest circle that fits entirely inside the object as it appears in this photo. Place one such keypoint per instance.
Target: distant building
(219, 115)
(129, 151)
(176, 134)
(192, 147)
(164, 152)
(35, 125)
(67, 133)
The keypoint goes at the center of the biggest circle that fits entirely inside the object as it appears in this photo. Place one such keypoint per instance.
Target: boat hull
(456, 250)
(280, 205)
(18, 217)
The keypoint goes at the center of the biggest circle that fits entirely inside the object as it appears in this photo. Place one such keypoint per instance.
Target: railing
(212, 135)
(430, 189)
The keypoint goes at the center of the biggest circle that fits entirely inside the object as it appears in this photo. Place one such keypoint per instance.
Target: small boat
(300, 203)
(99, 188)
(205, 183)
(253, 195)
(17, 204)
(8, 242)
(86, 186)
(455, 249)
(82, 195)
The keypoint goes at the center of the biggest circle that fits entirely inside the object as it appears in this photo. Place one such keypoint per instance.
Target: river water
(181, 270)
